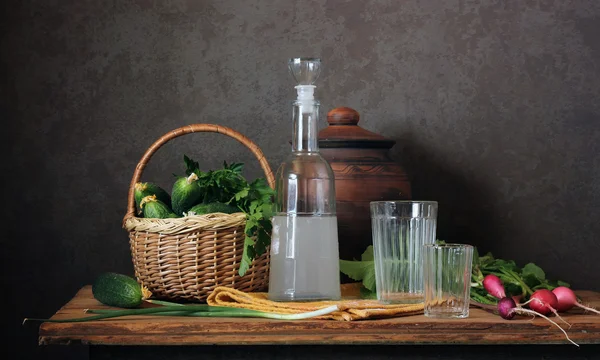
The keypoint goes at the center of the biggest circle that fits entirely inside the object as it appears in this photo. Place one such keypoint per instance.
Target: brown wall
(495, 107)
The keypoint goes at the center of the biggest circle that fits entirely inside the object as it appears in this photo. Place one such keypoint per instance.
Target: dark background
(495, 107)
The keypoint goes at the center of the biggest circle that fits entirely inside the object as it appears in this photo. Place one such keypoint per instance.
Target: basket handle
(186, 130)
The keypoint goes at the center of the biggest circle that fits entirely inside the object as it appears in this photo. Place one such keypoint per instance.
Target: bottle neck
(306, 120)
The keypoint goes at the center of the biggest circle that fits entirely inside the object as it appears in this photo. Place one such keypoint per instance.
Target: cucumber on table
(119, 290)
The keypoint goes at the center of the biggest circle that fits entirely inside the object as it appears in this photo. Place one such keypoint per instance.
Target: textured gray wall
(495, 106)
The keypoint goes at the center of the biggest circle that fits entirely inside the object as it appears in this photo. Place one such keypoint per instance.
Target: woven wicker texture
(187, 258)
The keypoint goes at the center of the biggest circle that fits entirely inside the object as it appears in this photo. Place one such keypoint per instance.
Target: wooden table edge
(304, 332)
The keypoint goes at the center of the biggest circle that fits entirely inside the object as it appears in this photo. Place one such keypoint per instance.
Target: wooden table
(481, 328)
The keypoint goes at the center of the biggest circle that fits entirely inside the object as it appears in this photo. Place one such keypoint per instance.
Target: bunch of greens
(255, 199)
(518, 281)
(362, 270)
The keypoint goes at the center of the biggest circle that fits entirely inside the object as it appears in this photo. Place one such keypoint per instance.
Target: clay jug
(364, 172)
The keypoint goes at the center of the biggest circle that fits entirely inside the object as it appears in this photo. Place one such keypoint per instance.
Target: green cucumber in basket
(155, 209)
(185, 194)
(119, 290)
(143, 189)
(213, 207)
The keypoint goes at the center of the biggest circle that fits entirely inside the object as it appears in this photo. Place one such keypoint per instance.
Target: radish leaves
(361, 270)
(518, 281)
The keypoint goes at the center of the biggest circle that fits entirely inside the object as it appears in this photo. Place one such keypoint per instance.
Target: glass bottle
(304, 262)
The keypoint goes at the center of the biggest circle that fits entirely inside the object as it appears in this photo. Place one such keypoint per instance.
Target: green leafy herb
(255, 199)
(191, 165)
(517, 281)
(235, 167)
(361, 270)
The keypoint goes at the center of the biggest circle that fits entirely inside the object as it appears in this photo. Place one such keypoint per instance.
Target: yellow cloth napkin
(351, 307)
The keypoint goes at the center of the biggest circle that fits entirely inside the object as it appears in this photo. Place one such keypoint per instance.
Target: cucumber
(213, 207)
(143, 189)
(119, 290)
(156, 209)
(185, 194)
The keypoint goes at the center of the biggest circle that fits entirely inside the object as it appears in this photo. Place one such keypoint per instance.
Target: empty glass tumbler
(447, 274)
(400, 228)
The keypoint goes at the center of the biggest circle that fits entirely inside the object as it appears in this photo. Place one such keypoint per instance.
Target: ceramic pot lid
(343, 132)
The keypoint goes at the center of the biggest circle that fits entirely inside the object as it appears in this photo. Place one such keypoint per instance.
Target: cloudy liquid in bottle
(304, 258)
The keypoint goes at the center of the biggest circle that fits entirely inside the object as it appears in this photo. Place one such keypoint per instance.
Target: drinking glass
(400, 228)
(447, 274)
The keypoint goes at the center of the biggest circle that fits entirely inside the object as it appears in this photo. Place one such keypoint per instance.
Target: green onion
(194, 310)
(179, 308)
(165, 303)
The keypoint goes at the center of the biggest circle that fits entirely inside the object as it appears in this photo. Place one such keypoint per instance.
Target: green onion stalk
(192, 310)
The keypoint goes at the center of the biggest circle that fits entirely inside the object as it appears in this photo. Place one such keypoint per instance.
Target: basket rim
(181, 225)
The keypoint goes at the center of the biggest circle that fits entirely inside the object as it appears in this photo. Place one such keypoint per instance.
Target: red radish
(494, 286)
(507, 308)
(543, 301)
(567, 300)
(517, 298)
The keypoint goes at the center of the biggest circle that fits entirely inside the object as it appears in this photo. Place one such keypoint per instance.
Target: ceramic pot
(364, 172)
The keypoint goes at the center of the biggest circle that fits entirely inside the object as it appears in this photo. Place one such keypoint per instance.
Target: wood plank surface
(480, 328)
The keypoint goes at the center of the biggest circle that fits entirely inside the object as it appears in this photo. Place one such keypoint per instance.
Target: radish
(517, 298)
(567, 300)
(494, 286)
(543, 301)
(507, 308)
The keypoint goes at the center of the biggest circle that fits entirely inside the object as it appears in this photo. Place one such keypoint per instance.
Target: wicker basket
(186, 258)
